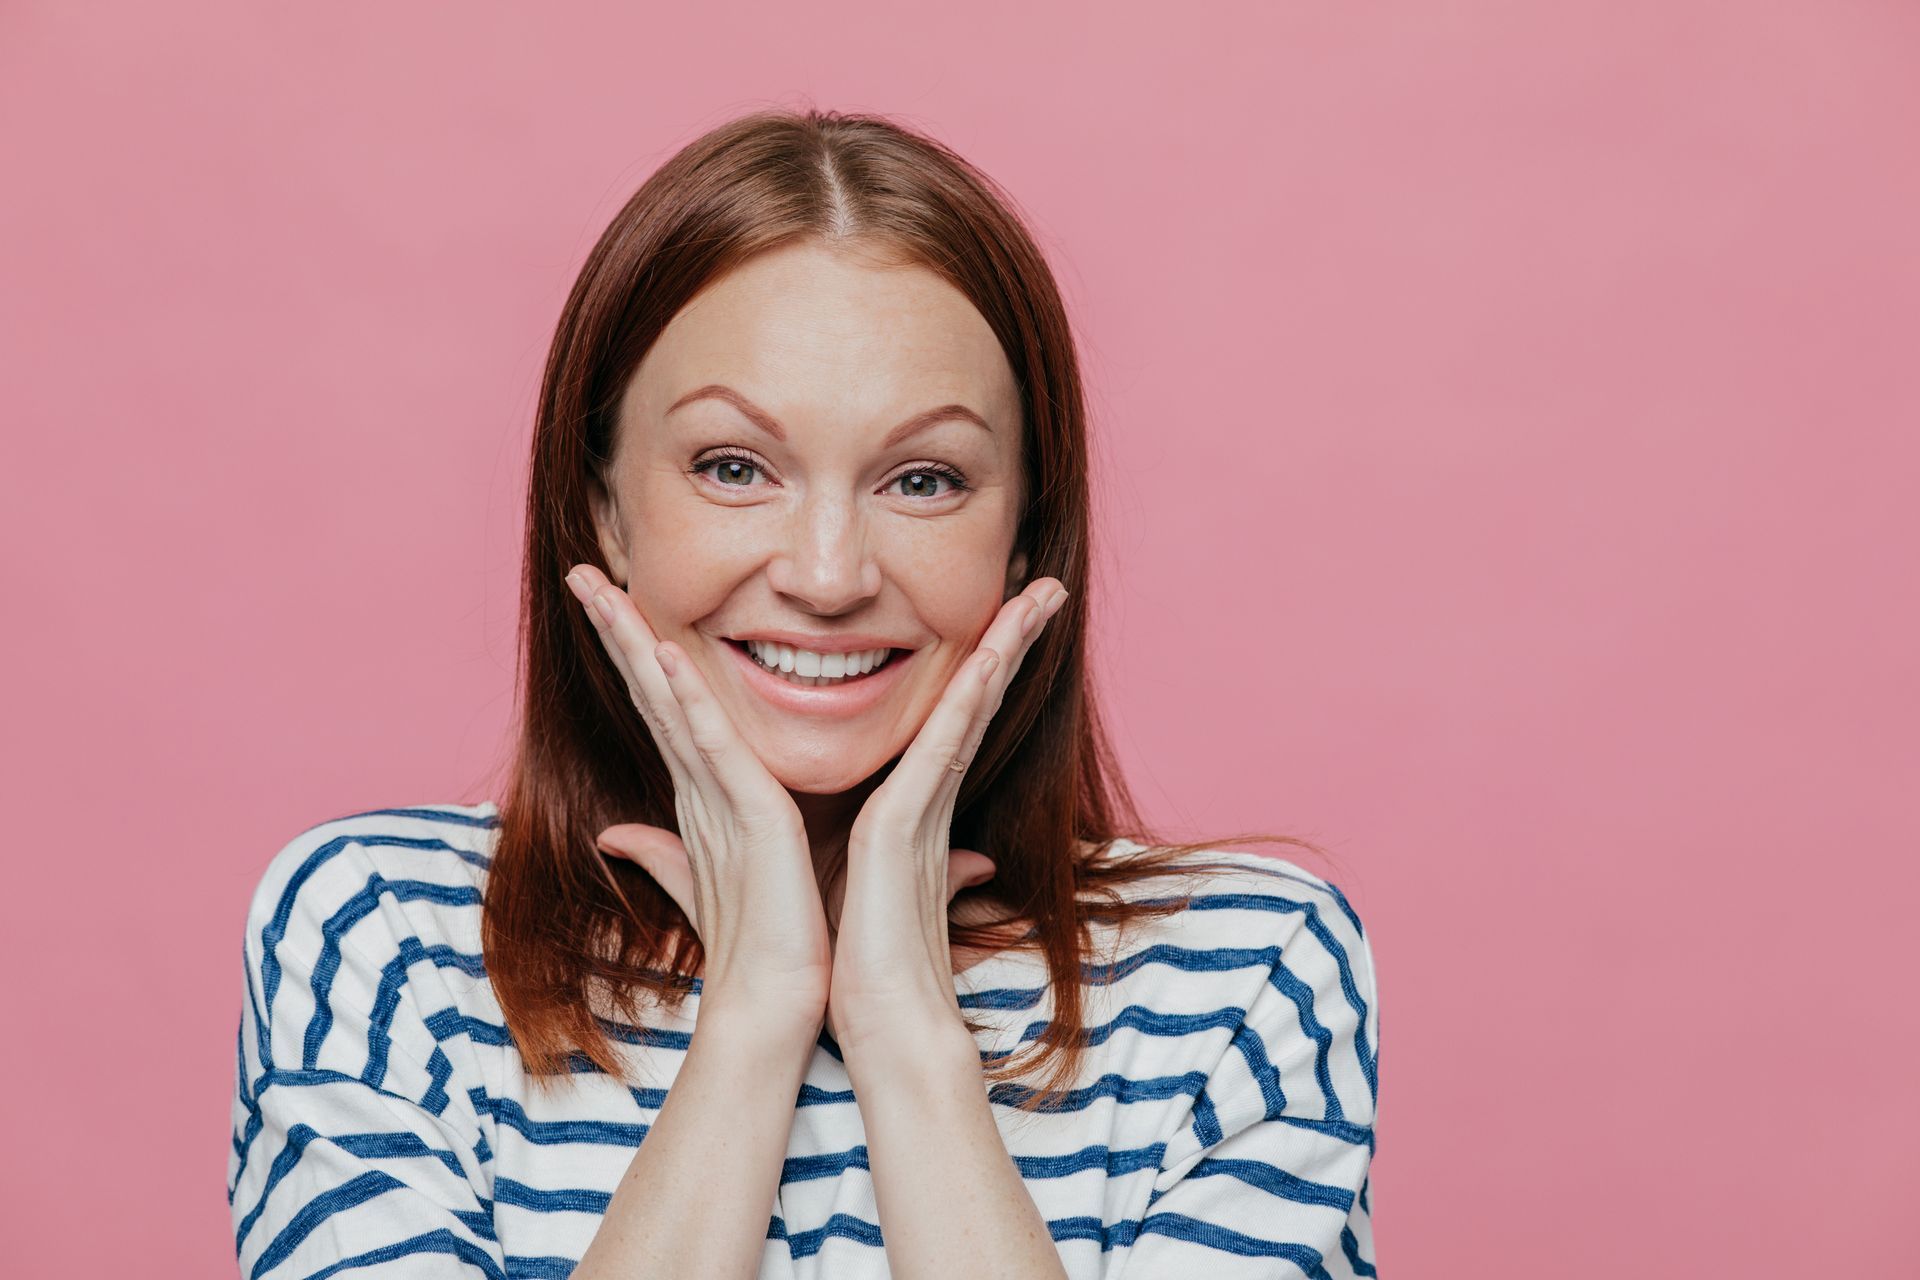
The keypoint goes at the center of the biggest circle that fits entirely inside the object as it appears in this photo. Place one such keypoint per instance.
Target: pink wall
(1507, 416)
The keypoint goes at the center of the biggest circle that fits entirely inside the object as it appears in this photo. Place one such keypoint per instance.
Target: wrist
(738, 1016)
(920, 1040)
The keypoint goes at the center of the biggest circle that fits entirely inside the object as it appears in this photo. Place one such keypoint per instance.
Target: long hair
(1043, 796)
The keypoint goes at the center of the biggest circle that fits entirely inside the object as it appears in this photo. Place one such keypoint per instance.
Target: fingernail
(576, 585)
(604, 605)
(664, 656)
(1032, 620)
(1053, 605)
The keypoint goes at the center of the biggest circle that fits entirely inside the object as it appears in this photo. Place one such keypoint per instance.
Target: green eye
(736, 461)
(940, 470)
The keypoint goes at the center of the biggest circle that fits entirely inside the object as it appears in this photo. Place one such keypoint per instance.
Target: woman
(812, 848)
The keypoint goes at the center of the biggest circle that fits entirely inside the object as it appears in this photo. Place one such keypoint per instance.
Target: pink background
(1506, 424)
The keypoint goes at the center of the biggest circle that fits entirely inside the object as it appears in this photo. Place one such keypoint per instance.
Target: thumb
(660, 854)
(965, 868)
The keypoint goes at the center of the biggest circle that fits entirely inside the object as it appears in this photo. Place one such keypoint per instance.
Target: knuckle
(661, 726)
(711, 744)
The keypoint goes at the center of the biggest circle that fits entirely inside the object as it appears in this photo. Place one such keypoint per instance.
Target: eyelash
(702, 465)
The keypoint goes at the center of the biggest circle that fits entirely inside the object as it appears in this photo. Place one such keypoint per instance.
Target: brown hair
(1043, 796)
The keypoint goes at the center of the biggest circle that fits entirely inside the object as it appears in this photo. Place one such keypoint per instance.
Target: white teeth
(814, 667)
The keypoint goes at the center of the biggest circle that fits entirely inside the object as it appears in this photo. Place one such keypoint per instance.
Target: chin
(820, 786)
(823, 778)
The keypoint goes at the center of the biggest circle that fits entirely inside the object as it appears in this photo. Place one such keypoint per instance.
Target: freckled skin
(820, 533)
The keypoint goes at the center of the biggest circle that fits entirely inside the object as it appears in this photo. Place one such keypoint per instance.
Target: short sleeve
(1267, 1178)
(354, 1149)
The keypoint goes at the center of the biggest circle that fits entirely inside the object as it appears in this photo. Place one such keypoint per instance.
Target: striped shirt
(1221, 1125)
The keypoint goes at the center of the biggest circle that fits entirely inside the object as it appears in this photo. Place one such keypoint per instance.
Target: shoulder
(1269, 972)
(377, 876)
(1233, 895)
(1301, 928)
(1264, 935)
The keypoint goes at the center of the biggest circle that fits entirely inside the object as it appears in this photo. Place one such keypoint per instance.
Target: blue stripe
(1318, 928)
(1206, 1120)
(1147, 1021)
(1254, 1049)
(571, 1200)
(439, 1071)
(449, 816)
(1360, 1135)
(296, 1080)
(1082, 1228)
(1350, 1246)
(804, 1244)
(1117, 1162)
(479, 1221)
(393, 980)
(276, 928)
(449, 1023)
(352, 912)
(824, 1164)
(240, 1053)
(1190, 959)
(283, 1163)
(1110, 1085)
(367, 1146)
(540, 1268)
(554, 1132)
(255, 1122)
(262, 1050)
(396, 1146)
(1179, 1226)
(317, 1210)
(652, 1037)
(1274, 1181)
(441, 1241)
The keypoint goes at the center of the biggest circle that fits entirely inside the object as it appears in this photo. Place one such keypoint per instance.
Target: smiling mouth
(795, 678)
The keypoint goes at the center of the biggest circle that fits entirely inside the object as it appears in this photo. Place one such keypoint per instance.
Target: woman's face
(777, 476)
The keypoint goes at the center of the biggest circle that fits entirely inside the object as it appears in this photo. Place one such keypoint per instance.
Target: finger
(1048, 597)
(589, 585)
(965, 868)
(724, 755)
(929, 773)
(954, 732)
(1014, 629)
(660, 854)
(630, 643)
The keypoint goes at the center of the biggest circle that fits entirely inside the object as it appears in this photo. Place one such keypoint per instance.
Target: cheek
(682, 568)
(955, 591)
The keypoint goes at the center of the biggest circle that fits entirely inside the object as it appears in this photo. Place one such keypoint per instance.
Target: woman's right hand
(740, 866)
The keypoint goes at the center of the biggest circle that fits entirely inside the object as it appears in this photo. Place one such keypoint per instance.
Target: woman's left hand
(892, 962)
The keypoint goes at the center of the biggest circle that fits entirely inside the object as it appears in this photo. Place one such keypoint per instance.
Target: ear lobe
(1016, 574)
(606, 529)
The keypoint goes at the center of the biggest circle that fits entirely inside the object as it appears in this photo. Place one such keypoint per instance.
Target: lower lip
(829, 701)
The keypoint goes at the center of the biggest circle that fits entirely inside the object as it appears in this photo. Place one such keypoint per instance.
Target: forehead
(806, 329)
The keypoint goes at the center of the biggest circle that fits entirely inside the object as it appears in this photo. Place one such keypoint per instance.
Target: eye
(728, 467)
(940, 470)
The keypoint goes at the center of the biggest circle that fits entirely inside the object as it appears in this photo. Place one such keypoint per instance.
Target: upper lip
(840, 642)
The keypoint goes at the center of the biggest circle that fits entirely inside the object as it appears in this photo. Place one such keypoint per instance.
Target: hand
(892, 961)
(663, 858)
(740, 866)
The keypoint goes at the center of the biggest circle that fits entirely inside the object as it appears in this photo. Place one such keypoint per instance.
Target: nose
(824, 563)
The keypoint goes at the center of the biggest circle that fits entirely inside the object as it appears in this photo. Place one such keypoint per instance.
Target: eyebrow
(769, 424)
